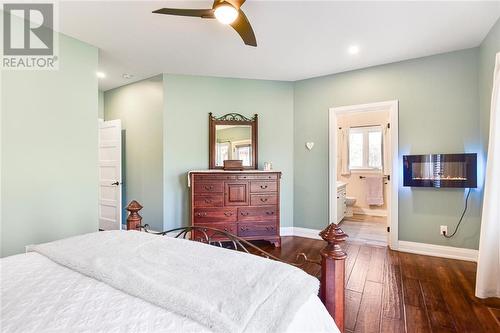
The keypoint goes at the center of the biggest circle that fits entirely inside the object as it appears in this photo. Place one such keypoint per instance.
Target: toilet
(349, 202)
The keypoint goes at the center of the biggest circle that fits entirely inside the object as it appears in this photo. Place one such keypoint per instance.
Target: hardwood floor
(389, 291)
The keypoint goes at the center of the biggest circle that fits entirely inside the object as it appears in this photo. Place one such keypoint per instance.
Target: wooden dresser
(244, 203)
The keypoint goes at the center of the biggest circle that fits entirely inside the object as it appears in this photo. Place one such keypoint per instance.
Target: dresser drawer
(257, 213)
(263, 199)
(209, 200)
(257, 229)
(207, 215)
(213, 187)
(214, 177)
(273, 176)
(263, 186)
(228, 227)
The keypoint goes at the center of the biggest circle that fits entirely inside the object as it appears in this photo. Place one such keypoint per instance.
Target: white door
(110, 175)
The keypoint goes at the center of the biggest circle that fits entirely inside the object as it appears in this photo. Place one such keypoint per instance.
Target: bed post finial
(134, 219)
(332, 291)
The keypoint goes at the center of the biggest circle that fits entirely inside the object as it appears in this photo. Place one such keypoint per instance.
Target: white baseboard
(300, 232)
(372, 212)
(307, 233)
(286, 231)
(438, 250)
(403, 246)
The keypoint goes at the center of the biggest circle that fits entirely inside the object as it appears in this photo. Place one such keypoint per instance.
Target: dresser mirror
(232, 137)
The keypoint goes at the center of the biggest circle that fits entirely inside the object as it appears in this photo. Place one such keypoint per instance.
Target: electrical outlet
(443, 228)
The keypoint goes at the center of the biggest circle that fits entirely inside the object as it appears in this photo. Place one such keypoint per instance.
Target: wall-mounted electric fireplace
(440, 170)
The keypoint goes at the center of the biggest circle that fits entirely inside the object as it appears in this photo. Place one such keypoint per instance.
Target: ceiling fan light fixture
(226, 14)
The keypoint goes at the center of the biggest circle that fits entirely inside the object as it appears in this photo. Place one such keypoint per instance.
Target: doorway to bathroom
(363, 164)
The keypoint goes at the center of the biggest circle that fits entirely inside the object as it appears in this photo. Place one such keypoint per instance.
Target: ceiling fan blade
(203, 13)
(235, 3)
(244, 29)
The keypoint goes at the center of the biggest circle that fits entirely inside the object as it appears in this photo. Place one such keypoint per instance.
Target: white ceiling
(296, 39)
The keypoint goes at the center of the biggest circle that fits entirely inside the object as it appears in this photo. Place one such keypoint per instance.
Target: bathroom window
(365, 148)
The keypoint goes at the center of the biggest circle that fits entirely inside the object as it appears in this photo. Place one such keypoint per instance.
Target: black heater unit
(440, 170)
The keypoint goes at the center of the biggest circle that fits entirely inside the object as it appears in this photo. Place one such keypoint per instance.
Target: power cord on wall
(461, 217)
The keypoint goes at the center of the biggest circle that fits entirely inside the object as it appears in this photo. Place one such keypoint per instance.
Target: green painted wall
(438, 113)
(487, 53)
(189, 99)
(48, 150)
(100, 112)
(139, 105)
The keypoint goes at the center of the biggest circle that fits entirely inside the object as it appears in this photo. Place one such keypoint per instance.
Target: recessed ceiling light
(100, 75)
(353, 49)
(127, 76)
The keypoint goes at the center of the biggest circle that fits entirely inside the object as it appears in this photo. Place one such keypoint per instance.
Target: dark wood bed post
(332, 291)
(134, 219)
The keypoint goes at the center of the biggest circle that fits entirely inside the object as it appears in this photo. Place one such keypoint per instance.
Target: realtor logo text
(28, 36)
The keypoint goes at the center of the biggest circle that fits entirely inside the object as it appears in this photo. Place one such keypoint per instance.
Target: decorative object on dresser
(233, 165)
(245, 203)
(232, 137)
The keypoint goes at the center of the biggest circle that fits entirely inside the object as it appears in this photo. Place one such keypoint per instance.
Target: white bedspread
(38, 294)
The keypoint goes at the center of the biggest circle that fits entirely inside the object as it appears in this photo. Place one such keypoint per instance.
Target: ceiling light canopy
(226, 14)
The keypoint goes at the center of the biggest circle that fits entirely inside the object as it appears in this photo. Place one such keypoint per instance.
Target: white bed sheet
(38, 295)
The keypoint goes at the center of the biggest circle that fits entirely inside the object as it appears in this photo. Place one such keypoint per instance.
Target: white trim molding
(438, 250)
(396, 175)
(300, 232)
(286, 231)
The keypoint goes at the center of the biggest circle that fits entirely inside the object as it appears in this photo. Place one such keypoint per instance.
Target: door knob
(116, 183)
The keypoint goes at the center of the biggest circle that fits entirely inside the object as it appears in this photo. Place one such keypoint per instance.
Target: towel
(375, 190)
(224, 290)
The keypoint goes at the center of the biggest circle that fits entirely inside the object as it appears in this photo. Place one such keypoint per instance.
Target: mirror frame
(231, 119)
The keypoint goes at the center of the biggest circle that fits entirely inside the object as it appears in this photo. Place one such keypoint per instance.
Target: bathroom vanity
(341, 201)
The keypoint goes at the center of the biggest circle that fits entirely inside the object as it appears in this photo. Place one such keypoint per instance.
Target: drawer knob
(244, 213)
(263, 199)
(244, 228)
(263, 187)
(225, 229)
(208, 201)
(228, 213)
(270, 213)
(201, 214)
(209, 188)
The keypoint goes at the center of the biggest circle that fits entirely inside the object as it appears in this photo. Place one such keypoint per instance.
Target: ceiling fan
(225, 11)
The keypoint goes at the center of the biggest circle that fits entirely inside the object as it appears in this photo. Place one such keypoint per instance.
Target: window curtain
(343, 157)
(488, 266)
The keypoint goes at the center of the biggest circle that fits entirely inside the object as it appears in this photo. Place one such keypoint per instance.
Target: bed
(133, 281)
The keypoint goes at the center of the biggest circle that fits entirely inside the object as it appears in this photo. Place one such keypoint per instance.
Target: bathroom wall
(356, 187)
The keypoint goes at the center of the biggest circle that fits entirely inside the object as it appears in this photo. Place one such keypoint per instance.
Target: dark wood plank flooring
(389, 291)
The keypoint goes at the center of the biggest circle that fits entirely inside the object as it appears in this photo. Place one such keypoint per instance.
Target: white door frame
(393, 108)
